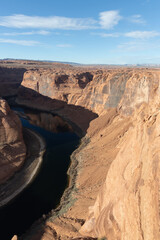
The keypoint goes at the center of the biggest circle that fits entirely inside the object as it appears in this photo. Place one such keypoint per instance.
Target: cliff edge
(12, 147)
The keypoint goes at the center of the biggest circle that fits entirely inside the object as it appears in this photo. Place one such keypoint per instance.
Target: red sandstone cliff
(127, 206)
(12, 147)
(96, 90)
(117, 185)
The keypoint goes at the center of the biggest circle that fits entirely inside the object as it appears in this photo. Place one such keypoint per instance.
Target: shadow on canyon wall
(10, 80)
(78, 117)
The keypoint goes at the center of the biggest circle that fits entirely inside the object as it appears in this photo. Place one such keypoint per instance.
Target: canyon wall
(96, 90)
(127, 206)
(116, 191)
(12, 147)
(10, 80)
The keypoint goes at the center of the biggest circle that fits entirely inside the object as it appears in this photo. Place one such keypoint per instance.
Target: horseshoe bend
(113, 190)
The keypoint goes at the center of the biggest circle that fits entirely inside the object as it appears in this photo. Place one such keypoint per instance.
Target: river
(45, 192)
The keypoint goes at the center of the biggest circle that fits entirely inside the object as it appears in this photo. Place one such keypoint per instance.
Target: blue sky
(86, 31)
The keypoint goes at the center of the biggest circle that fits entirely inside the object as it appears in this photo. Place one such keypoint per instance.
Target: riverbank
(15, 185)
(87, 174)
(43, 225)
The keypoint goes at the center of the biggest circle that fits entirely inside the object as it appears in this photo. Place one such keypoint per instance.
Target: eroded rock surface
(116, 190)
(12, 147)
(10, 80)
(101, 89)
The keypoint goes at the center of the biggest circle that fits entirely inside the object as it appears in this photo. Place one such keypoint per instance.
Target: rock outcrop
(96, 90)
(12, 147)
(11, 73)
(116, 191)
(10, 80)
(127, 206)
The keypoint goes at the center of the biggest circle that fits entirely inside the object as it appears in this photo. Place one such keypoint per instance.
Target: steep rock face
(12, 147)
(57, 91)
(62, 85)
(118, 169)
(10, 80)
(127, 206)
(129, 199)
(96, 90)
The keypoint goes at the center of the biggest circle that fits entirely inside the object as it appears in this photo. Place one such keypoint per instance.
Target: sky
(86, 31)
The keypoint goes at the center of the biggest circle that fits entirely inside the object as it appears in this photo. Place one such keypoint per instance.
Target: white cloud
(64, 45)
(142, 34)
(139, 45)
(53, 22)
(41, 32)
(109, 19)
(105, 35)
(137, 19)
(19, 42)
(133, 45)
(133, 34)
(110, 34)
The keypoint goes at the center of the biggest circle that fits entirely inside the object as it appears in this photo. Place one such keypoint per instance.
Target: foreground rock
(116, 190)
(35, 150)
(128, 201)
(12, 147)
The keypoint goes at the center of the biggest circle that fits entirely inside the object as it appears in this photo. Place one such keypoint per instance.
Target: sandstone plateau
(12, 147)
(114, 175)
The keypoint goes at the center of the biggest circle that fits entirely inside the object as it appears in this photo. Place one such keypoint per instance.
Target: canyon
(113, 190)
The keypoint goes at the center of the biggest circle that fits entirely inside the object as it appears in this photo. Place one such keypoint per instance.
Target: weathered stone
(12, 147)
(116, 189)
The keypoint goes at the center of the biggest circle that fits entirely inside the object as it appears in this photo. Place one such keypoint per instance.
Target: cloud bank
(142, 34)
(132, 34)
(107, 20)
(55, 22)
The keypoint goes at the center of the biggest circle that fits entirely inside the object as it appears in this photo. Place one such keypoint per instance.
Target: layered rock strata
(96, 90)
(12, 147)
(116, 190)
